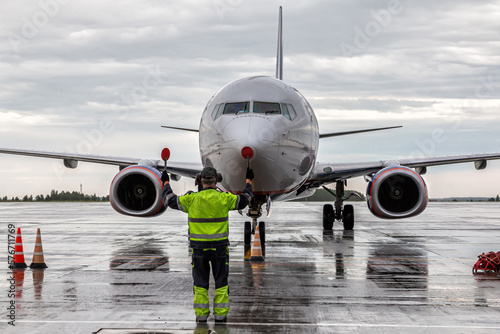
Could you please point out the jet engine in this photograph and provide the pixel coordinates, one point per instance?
(137, 191)
(396, 192)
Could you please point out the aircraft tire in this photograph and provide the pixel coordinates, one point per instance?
(262, 232)
(248, 233)
(348, 217)
(328, 216)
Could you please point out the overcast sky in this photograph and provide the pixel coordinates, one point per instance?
(101, 77)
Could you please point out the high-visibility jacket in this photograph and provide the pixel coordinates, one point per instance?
(208, 215)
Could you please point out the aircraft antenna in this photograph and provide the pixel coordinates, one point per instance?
(279, 56)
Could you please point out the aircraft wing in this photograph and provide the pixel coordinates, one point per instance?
(327, 173)
(71, 161)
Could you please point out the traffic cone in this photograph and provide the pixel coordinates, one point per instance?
(38, 261)
(256, 248)
(19, 262)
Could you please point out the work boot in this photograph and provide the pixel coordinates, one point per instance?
(220, 318)
(201, 318)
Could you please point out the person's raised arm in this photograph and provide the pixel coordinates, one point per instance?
(169, 198)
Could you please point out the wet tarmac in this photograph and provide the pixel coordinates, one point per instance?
(114, 274)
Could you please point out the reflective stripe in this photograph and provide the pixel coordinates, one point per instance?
(208, 220)
(200, 303)
(221, 301)
(169, 196)
(224, 305)
(179, 205)
(201, 306)
(209, 236)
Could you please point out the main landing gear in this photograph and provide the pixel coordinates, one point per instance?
(254, 212)
(342, 212)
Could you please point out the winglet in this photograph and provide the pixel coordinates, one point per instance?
(279, 56)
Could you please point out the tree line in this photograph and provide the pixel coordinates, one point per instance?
(56, 196)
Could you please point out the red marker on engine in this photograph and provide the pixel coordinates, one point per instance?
(165, 155)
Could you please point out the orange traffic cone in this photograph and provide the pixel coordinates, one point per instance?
(38, 261)
(256, 248)
(19, 262)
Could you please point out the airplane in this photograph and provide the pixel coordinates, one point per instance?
(267, 124)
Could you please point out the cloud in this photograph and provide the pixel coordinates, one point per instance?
(67, 66)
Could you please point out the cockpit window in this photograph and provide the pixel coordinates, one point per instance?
(266, 108)
(220, 109)
(289, 111)
(284, 108)
(236, 108)
(214, 112)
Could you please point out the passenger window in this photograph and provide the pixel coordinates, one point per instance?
(291, 111)
(266, 108)
(284, 108)
(219, 111)
(236, 108)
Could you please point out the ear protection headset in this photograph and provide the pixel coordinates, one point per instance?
(198, 178)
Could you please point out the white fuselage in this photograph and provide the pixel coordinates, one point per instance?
(274, 120)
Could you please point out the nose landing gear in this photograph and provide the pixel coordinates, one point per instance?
(255, 212)
(249, 230)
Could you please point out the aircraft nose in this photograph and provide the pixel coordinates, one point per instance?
(252, 135)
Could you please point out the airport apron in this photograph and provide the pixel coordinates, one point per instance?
(208, 234)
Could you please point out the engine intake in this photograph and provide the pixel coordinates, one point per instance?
(137, 191)
(396, 192)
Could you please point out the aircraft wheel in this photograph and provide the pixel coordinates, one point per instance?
(262, 233)
(248, 233)
(348, 217)
(328, 216)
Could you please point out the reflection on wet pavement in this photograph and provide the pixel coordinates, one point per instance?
(108, 271)
(143, 252)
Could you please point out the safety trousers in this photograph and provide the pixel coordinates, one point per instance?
(202, 261)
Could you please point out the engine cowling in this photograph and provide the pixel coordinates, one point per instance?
(137, 191)
(396, 192)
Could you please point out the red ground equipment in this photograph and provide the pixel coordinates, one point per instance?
(489, 262)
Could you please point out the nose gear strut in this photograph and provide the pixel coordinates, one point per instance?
(255, 212)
